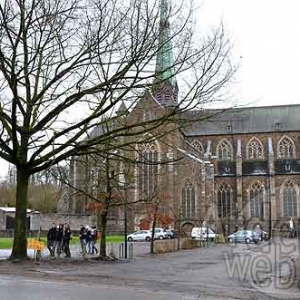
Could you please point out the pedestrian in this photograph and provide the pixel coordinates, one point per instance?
(51, 239)
(291, 228)
(259, 232)
(89, 239)
(59, 239)
(82, 238)
(94, 239)
(66, 240)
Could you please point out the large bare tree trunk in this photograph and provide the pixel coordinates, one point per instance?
(103, 218)
(19, 250)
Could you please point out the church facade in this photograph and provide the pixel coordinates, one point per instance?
(237, 168)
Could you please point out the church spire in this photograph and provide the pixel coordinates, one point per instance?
(166, 90)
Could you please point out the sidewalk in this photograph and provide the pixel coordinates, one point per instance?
(139, 249)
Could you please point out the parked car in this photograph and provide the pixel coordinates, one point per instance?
(140, 235)
(202, 233)
(244, 236)
(171, 234)
(160, 234)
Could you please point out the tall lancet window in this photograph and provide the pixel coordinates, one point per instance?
(188, 200)
(224, 201)
(255, 149)
(286, 148)
(289, 193)
(224, 150)
(199, 147)
(147, 170)
(257, 196)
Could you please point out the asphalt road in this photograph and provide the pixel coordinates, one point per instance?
(205, 273)
(32, 289)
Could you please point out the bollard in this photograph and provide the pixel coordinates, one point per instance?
(129, 251)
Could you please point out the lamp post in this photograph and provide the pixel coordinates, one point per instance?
(125, 221)
(270, 207)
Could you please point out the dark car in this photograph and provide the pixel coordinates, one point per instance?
(244, 236)
(171, 234)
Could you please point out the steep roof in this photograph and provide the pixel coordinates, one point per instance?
(165, 61)
(244, 120)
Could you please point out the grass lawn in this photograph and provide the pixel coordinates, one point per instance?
(6, 243)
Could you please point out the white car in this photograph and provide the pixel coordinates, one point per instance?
(160, 234)
(200, 233)
(140, 235)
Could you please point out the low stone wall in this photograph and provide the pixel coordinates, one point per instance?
(164, 246)
(190, 244)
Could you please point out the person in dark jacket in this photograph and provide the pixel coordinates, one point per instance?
(82, 238)
(89, 239)
(94, 239)
(66, 240)
(51, 239)
(59, 239)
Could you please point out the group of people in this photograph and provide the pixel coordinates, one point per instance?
(88, 239)
(58, 239)
(59, 236)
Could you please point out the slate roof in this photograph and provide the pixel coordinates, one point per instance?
(244, 120)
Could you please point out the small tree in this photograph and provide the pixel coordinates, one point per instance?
(155, 206)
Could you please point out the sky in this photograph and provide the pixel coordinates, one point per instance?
(265, 37)
(266, 42)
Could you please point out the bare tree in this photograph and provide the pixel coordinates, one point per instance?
(66, 65)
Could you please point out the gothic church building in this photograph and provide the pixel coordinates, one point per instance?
(241, 167)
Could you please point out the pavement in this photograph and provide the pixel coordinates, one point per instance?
(139, 249)
(205, 273)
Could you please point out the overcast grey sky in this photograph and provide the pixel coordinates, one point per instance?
(265, 34)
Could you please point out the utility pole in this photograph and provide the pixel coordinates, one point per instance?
(125, 220)
(270, 207)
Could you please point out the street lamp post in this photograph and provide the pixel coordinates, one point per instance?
(270, 208)
(125, 223)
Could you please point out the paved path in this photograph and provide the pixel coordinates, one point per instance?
(139, 249)
(205, 273)
(28, 289)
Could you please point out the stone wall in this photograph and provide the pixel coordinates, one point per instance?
(34, 220)
(2, 220)
(165, 246)
(75, 220)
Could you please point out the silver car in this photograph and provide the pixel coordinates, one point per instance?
(244, 236)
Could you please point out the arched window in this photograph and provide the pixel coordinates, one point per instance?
(224, 201)
(188, 200)
(147, 169)
(224, 150)
(286, 148)
(255, 149)
(289, 194)
(257, 195)
(198, 146)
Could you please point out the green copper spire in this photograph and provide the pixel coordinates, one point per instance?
(165, 60)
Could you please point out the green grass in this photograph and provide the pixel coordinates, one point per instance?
(115, 239)
(6, 243)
